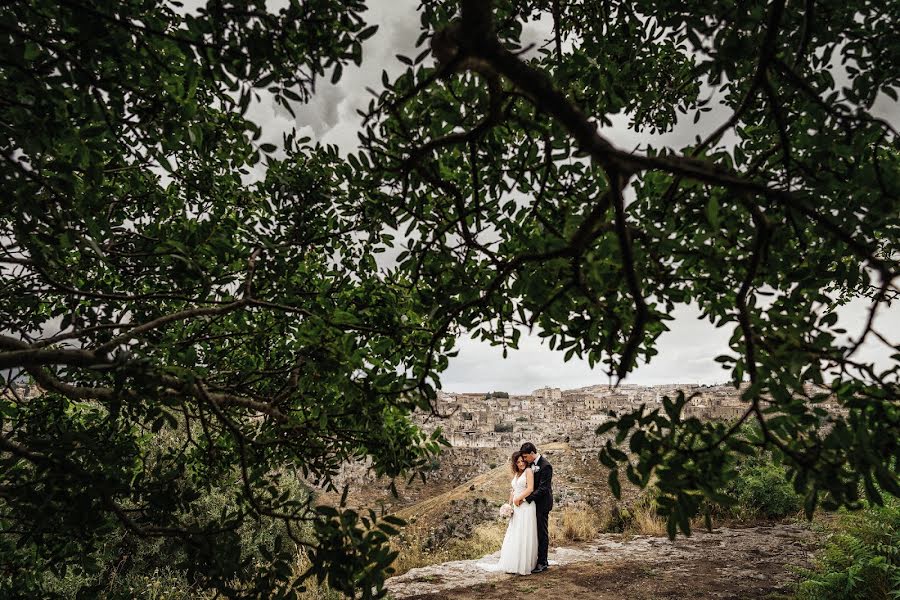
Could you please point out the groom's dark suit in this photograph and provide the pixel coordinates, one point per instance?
(542, 496)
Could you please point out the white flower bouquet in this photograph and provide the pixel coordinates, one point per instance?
(506, 511)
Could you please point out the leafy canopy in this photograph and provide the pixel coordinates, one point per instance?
(198, 329)
(522, 214)
(205, 313)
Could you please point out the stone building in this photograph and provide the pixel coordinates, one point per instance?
(547, 393)
(547, 414)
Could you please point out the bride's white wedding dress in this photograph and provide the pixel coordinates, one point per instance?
(519, 551)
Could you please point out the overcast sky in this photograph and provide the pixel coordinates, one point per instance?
(686, 353)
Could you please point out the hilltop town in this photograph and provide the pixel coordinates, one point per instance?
(498, 419)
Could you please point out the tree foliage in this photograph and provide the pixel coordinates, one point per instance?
(523, 214)
(165, 273)
(154, 281)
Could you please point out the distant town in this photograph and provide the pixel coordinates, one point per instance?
(497, 419)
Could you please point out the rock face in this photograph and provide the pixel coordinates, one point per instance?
(727, 563)
(460, 521)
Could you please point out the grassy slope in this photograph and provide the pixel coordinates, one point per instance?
(572, 478)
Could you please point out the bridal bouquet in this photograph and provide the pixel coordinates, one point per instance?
(506, 510)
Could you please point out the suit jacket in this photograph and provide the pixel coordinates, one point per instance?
(542, 495)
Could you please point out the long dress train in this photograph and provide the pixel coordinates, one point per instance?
(519, 551)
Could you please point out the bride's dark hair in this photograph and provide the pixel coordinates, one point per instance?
(512, 462)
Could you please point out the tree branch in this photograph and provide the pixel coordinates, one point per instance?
(171, 318)
(629, 351)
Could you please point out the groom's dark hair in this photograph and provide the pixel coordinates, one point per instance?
(528, 448)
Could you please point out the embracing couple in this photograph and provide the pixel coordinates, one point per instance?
(524, 547)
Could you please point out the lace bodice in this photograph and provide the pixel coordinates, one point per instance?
(519, 483)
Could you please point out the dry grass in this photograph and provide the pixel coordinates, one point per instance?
(577, 523)
(647, 522)
(642, 518)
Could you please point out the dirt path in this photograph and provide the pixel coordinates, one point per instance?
(726, 564)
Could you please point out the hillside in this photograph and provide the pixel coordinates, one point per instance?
(600, 547)
(462, 523)
(578, 478)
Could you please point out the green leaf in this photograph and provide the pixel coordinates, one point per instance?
(367, 32)
(32, 51)
(614, 485)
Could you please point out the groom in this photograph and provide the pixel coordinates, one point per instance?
(542, 496)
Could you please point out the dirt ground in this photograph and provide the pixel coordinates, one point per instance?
(737, 564)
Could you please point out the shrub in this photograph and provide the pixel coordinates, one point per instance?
(762, 489)
(503, 427)
(127, 565)
(620, 518)
(759, 488)
(861, 560)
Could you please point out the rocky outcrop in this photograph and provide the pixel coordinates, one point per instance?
(726, 563)
(459, 522)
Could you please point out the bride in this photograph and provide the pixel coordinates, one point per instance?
(519, 551)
